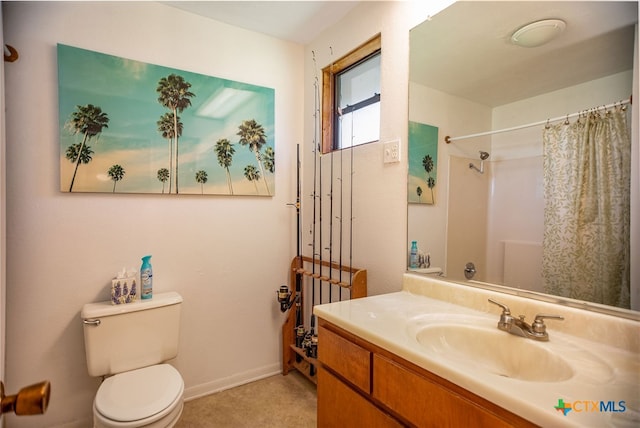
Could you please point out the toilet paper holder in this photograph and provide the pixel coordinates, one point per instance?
(30, 400)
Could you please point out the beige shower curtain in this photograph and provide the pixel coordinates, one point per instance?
(587, 173)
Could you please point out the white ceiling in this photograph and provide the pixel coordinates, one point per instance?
(465, 49)
(296, 21)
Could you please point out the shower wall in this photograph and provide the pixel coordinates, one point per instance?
(495, 219)
(515, 226)
(516, 204)
(467, 227)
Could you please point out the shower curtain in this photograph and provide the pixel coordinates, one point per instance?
(587, 173)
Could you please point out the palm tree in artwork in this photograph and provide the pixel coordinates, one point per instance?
(79, 153)
(163, 176)
(224, 151)
(431, 183)
(251, 173)
(270, 160)
(427, 163)
(116, 173)
(419, 192)
(202, 177)
(174, 94)
(166, 126)
(252, 134)
(89, 121)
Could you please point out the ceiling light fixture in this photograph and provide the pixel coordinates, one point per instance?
(538, 33)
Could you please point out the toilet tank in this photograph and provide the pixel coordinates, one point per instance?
(125, 337)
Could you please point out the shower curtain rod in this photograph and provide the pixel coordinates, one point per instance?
(449, 139)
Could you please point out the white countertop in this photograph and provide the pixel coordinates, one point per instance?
(390, 321)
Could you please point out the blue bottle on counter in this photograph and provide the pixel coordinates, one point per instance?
(146, 278)
(413, 257)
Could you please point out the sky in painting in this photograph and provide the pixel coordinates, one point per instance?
(126, 91)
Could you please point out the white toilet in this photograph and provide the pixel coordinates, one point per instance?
(128, 343)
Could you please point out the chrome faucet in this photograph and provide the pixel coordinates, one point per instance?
(536, 331)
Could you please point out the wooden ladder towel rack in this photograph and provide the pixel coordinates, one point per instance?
(356, 282)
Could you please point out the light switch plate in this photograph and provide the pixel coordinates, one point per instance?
(391, 151)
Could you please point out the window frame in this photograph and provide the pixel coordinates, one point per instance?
(329, 73)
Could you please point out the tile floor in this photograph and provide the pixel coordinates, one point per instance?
(277, 401)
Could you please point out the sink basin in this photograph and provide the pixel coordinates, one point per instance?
(494, 351)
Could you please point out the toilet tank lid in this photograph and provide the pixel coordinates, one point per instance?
(106, 309)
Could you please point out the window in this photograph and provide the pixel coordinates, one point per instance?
(351, 98)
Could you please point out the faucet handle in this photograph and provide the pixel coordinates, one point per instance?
(505, 318)
(539, 326)
(505, 308)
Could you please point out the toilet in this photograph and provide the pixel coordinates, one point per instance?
(129, 345)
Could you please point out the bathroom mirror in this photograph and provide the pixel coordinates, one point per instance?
(468, 77)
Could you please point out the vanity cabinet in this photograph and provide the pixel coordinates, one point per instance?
(342, 406)
(361, 384)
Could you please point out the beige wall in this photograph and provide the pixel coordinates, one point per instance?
(225, 255)
(379, 190)
(431, 225)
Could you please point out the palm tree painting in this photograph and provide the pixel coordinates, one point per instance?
(165, 127)
(78, 154)
(174, 94)
(87, 121)
(427, 164)
(163, 176)
(252, 135)
(423, 162)
(252, 174)
(201, 177)
(270, 160)
(224, 152)
(116, 173)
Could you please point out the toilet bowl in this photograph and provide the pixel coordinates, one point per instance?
(129, 346)
(151, 397)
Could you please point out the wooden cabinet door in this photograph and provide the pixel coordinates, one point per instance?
(345, 358)
(340, 406)
(424, 403)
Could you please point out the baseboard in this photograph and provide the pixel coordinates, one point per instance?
(208, 388)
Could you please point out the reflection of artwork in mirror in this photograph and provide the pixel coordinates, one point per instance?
(132, 127)
(423, 161)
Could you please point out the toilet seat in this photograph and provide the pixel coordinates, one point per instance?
(140, 396)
